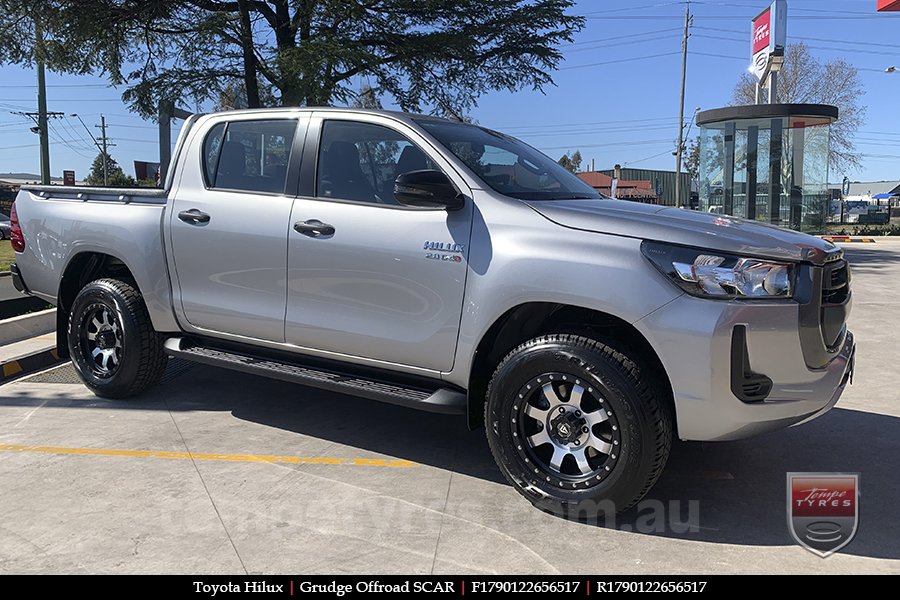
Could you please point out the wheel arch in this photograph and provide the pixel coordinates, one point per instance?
(533, 319)
(81, 269)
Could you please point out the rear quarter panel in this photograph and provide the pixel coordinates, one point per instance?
(58, 229)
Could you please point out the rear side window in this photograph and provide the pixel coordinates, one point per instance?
(249, 155)
(211, 147)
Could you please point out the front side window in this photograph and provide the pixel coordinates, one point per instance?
(507, 165)
(360, 162)
(251, 155)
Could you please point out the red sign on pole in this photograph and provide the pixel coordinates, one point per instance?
(762, 30)
(68, 177)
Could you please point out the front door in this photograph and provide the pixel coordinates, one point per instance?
(229, 231)
(368, 277)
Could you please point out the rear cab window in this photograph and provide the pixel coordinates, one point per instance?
(249, 156)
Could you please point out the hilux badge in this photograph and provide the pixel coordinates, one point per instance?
(444, 251)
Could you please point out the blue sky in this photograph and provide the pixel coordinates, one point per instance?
(615, 98)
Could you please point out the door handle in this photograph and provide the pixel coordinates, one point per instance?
(193, 216)
(314, 228)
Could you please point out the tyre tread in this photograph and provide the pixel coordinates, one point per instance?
(646, 384)
(153, 359)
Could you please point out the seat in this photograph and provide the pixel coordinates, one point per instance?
(411, 159)
(232, 166)
(341, 175)
(273, 181)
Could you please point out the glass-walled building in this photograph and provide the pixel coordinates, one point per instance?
(767, 162)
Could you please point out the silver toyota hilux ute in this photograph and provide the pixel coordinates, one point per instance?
(451, 268)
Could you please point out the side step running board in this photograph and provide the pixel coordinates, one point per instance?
(437, 399)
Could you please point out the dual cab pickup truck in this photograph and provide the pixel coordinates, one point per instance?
(450, 268)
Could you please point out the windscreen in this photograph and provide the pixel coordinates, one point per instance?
(507, 165)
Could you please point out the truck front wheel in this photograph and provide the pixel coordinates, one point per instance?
(112, 342)
(578, 427)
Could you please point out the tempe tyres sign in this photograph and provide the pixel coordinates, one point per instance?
(768, 32)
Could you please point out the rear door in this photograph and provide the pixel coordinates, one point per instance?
(379, 280)
(229, 227)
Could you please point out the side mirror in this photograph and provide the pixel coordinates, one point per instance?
(427, 189)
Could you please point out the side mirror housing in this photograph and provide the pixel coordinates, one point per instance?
(427, 189)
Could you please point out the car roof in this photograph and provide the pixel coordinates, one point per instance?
(334, 109)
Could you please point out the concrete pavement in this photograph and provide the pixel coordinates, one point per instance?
(221, 472)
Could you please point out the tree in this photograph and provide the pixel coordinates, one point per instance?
(116, 177)
(692, 159)
(367, 98)
(423, 53)
(571, 162)
(804, 79)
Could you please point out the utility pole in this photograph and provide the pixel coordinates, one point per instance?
(41, 120)
(680, 149)
(105, 143)
(42, 104)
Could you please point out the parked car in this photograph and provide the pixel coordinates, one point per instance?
(446, 267)
(4, 226)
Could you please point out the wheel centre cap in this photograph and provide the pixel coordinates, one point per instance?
(106, 339)
(567, 427)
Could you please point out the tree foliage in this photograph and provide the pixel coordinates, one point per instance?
(116, 177)
(804, 79)
(572, 162)
(692, 159)
(429, 54)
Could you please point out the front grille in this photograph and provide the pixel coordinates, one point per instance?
(824, 296)
(835, 283)
(835, 294)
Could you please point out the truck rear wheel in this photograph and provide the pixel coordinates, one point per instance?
(577, 426)
(112, 342)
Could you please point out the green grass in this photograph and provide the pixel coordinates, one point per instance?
(7, 255)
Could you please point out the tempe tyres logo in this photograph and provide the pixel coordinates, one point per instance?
(823, 510)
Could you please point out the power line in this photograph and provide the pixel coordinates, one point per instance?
(801, 38)
(133, 126)
(556, 125)
(621, 60)
(593, 131)
(610, 144)
(64, 85)
(57, 136)
(623, 37)
(602, 46)
(65, 99)
(645, 6)
(634, 162)
(856, 50)
(21, 146)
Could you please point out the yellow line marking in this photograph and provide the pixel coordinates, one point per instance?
(254, 458)
(11, 368)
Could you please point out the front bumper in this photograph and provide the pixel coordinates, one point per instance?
(692, 337)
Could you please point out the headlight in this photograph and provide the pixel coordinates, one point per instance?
(719, 275)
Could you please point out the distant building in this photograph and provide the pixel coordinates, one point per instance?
(662, 183)
(639, 191)
(871, 189)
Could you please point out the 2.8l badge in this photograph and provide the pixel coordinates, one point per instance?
(444, 251)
